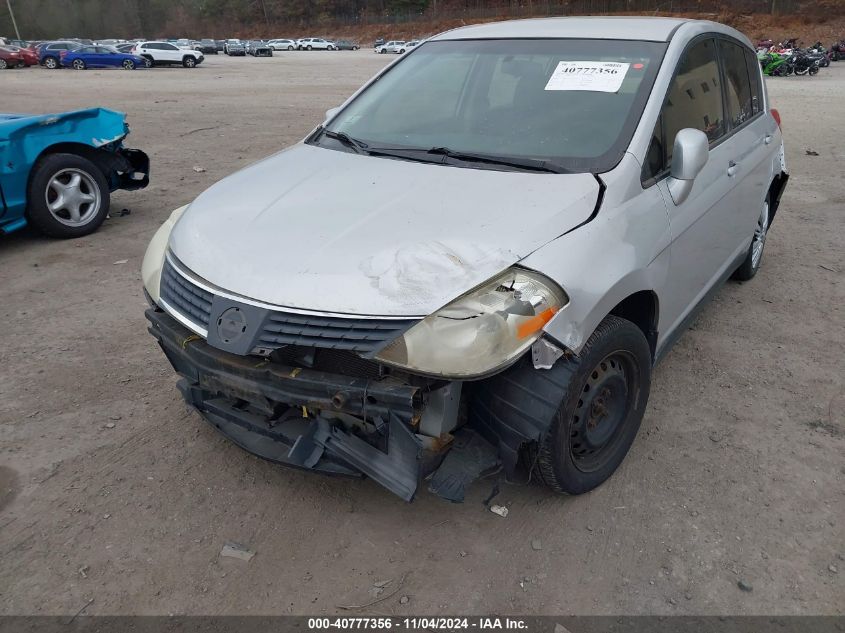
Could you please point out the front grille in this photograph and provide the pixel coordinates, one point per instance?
(280, 329)
(359, 335)
(184, 296)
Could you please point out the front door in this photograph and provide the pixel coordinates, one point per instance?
(703, 227)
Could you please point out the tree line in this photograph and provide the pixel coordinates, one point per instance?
(49, 19)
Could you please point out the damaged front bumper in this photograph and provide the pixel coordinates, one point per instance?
(327, 422)
(132, 171)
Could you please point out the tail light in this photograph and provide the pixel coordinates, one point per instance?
(62, 54)
(776, 116)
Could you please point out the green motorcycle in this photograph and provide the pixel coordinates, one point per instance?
(774, 64)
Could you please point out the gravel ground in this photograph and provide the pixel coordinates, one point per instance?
(113, 492)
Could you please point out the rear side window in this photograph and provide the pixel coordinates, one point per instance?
(737, 84)
(753, 65)
(695, 96)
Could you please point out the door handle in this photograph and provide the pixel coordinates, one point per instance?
(732, 169)
(768, 139)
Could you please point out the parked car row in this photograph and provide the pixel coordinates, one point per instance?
(73, 54)
(396, 46)
(85, 53)
(244, 47)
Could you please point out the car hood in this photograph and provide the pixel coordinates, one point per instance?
(320, 229)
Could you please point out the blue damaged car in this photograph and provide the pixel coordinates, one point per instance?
(57, 171)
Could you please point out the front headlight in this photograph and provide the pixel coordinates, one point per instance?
(482, 331)
(154, 256)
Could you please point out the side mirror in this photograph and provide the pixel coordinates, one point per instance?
(689, 156)
(331, 112)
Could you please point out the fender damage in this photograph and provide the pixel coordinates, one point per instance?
(96, 133)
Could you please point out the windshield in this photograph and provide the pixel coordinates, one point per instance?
(574, 103)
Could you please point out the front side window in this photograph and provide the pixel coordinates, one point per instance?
(572, 103)
(737, 86)
(694, 99)
(168, 47)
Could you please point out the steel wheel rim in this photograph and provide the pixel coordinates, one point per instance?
(73, 197)
(759, 240)
(599, 418)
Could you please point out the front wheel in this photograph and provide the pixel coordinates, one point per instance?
(148, 61)
(602, 407)
(51, 62)
(814, 70)
(3, 64)
(290, 48)
(754, 257)
(189, 62)
(68, 196)
(308, 48)
(128, 64)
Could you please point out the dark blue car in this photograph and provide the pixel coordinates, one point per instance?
(101, 57)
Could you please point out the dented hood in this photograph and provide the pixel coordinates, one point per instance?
(327, 230)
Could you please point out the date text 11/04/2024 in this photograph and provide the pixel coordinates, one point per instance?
(418, 623)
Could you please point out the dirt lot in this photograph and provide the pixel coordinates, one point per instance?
(113, 492)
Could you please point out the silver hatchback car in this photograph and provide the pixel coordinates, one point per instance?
(474, 263)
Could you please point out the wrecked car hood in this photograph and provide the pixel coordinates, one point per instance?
(327, 230)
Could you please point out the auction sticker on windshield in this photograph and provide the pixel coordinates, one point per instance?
(590, 76)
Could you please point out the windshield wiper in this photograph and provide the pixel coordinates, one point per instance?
(357, 145)
(436, 155)
(532, 164)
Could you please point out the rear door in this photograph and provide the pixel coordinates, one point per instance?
(751, 136)
(87, 55)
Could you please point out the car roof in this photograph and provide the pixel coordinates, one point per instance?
(605, 28)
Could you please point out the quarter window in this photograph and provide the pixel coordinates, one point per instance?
(694, 99)
(737, 86)
(753, 65)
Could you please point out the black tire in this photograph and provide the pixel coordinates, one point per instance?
(188, 61)
(290, 48)
(749, 267)
(78, 64)
(601, 411)
(128, 64)
(50, 62)
(814, 70)
(401, 51)
(148, 61)
(308, 48)
(38, 212)
(382, 51)
(3, 64)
